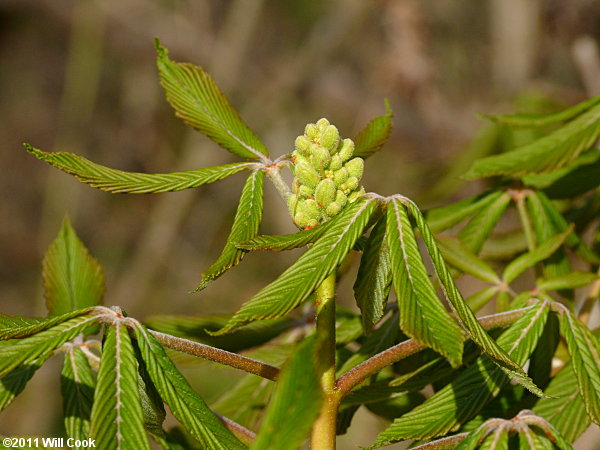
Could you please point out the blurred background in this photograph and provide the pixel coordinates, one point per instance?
(80, 76)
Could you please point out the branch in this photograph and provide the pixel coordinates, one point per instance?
(242, 433)
(444, 443)
(217, 355)
(374, 364)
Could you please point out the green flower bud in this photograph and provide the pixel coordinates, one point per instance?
(310, 208)
(301, 219)
(291, 201)
(305, 191)
(333, 209)
(297, 158)
(347, 150)
(330, 138)
(322, 124)
(320, 159)
(355, 167)
(336, 163)
(340, 176)
(311, 131)
(356, 195)
(351, 183)
(307, 175)
(325, 192)
(302, 143)
(296, 186)
(341, 198)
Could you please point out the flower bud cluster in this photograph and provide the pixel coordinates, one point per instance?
(326, 177)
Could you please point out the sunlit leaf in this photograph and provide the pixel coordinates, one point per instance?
(198, 100)
(571, 280)
(77, 383)
(375, 134)
(18, 326)
(444, 217)
(475, 233)
(14, 382)
(277, 243)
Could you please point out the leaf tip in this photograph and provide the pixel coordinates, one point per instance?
(160, 50)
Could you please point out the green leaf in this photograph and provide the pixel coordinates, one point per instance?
(458, 255)
(459, 401)
(198, 100)
(121, 182)
(571, 280)
(277, 243)
(584, 351)
(475, 233)
(77, 383)
(444, 217)
(14, 382)
(478, 300)
(542, 120)
(517, 266)
(546, 154)
(297, 398)
(375, 134)
(297, 282)
(472, 325)
(185, 404)
(19, 327)
(42, 344)
(422, 315)
(564, 407)
(374, 278)
(245, 225)
(73, 279)
(117, 421)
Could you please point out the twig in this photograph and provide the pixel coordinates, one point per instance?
(217, 355)
(242, 433)
(444, 443)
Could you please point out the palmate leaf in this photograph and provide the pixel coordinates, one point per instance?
(245, 225)
(585, 356)
(475, 233)
(375, 134)
(422, 315)
(467, 394)
(278, 243)
(116, 420)
(73, 279)
(18, 327)
(518, 265)
(121, 182)
(466, 316)
(42, 344)
(571, 280)
(77, 383)
(297, 282)
(542, 120)
(185, 404)
(564, 407)
(459, 256)
(198, 100)
(297, 398)
(478, 300)
(444, 217)
(14, 382)
(374, 278)
(546, 154)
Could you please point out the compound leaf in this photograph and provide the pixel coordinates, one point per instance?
(475, 233)
(297, 397)
(73, 279)
(459, 256)
(198, 100)
(117, 421)
(375, 134)
(185, 404)
(122, 182)
(422, 315)
(77, 383)
(297, 282)
(571, 280)
(444, 217)
(14, 382)
(277, 243)
(18, 327)
(245, 225)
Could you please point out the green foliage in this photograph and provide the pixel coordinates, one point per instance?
(419, 358)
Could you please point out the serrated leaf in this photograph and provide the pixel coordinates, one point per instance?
(546, 154)
(297, 397)
(584, 351)
(374, 278)
(475, 233)
(277, 243)
(542, 120)
(459, 256)
(198, 100)
(466, 316)
(480, 434)
(245, 225)
(42, 344)
(478, 300)
(77, 383)
(73, 278)
(297, 282)
(18, 327)
(120, 182)
(116, 420)
(185, 404)
(517, 266)
(571, 280)
(564, 407)
(468, 393)
(375, 134)
(444, 217)
(14, 382)
(422, 315)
